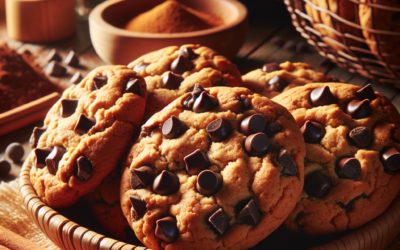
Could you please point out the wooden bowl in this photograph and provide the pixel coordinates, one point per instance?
(116, 45)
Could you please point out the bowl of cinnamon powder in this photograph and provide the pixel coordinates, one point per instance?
(122, 30)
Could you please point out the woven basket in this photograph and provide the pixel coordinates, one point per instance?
(66, 234)
(334, 28)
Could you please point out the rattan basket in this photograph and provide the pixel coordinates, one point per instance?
(66, 234)
(338, 30)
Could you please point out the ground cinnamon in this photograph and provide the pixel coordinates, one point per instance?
(172, 17)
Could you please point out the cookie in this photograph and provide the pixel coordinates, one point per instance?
(274, 78)
(219, 168)
(351, 168)
(86, 133)
(173, 71)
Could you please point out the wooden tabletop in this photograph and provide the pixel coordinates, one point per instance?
(268, 19)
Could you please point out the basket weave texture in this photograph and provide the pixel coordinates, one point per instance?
(362, 36)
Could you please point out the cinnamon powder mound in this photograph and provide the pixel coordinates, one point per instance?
(172, 17)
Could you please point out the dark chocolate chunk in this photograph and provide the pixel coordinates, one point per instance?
(317, 184)
(391, 160)
(37, 132)
(142, 177)
(256, 144)
(140, 66)
(220, 221)
(244, 103)
(138, 207)
(181, 65)
(277, 41)
(359, 109)
(40, 157)
(321, 96)
(166, 183)
(366, 93)
(53, 56)
(271, 129)
(171, 81)
(68, 107)
(250, 214)
(84, 124)
(219, 130)
(197, 90)
(205, 102)
(289, 167)
(85, 168)
(289, 46)
(173, 128)
(133, 86)
(302, 47)
(360, 137)
(99, 81)
(252, 124)
(277, 83)
(72, 59)
(5, 167)
(189, 101)
(348, 168)
(208, 182)
(54, 158)
(76, 78)
(15, 152)
(312, 131)
(271, 67)
(166, 229)
(196, 162)
(55, 69)
(188, 53)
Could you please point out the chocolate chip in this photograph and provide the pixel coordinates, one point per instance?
(312, 131)
(15, 152)
(138, 207)
(72, 59)
(317, 185)
(54, 158)
(141, 177)
(181, 65)
(85, 168)
(84, 124)
(173, 128)
(133, 86)
(189, 101)
(53, 56)
(359, 109)
(252, 124)
(360, 137)
(166, 183)
(244, 103)
(99, 82)
(271, 129)
(256, 144)
(166, 229)
(76, 78)
(140, 66)
(289, 167)
(208, 182)
(37, 132)
(40, 157)
(205, 102)
(68, 107)
(289, 46)
(171, 81)
(348, 168)
(391, 159)
(220, 221)
(197, 90)
(188, 53)
(277, 41)
(5, 167)
(366, 93)
(250, 214)
(271, 67)
(277, 83)
(196, 162)
(321, 96)
(55, 69)
(219, 130)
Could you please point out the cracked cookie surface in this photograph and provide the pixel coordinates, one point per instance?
(193, 180)
(172, 71)
(352, 162)
(85, 133)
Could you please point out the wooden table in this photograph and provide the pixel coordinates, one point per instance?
(268, 19)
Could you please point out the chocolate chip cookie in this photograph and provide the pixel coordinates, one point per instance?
(86, 133)
(275, 78)
(352, 164)
(218, 168)
(173, 71)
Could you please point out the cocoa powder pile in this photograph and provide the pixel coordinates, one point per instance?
(172, 17)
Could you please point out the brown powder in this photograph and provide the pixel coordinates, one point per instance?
(172, 17)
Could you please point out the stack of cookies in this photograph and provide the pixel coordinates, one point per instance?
(178, 151)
